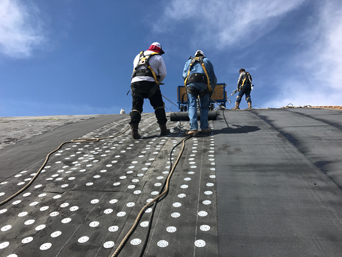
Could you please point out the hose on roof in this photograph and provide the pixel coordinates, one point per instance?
(78, 140)
(162, 194)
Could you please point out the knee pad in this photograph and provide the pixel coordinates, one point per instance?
(135, 116)
(160, 114)
(159, 110)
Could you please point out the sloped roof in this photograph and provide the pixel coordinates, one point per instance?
(264, 183)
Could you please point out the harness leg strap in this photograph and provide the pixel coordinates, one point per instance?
(195, 92)
(160, 115)
(135, 116)
(238, 99)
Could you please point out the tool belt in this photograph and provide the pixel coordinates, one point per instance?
(195, 92)
(197, 77)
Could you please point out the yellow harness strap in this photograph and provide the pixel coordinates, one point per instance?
(243, 81)
(185, 80)
(205, 71)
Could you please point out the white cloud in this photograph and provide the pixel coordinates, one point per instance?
(20, 29)
(320, 66)
(316, 71)
(228, 22)
(295, 93)
(329, 48)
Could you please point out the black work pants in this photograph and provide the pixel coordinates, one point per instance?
(150, 90)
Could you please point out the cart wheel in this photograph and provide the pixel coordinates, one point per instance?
(185, 108)
(181, 108)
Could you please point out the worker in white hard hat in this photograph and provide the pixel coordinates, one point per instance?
(200, 80)
(148, 72)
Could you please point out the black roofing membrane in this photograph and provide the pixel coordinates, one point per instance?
(264, 183)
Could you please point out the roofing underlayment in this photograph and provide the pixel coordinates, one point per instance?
(266, 182)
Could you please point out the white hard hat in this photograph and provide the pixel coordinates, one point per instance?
(198, 53)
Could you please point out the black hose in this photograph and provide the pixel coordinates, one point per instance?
(155, 205)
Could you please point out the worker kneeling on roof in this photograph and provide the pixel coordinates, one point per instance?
(149, 71)
(200, 80)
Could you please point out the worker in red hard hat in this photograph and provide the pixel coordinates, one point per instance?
(149, 71)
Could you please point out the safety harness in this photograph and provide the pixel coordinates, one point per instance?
(144, 62)
(249, 79)
(197, 77)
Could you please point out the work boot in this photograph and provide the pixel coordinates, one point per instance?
(163, 130)
(236, 106)
(192, 132)
(249, 106)
(134, 131)
(206, 131)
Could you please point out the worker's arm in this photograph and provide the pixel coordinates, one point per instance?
(135, 61)
(185, 69)
(158, 66)
(250, 78)
(211, 74)
(239, 82)
(162, 70)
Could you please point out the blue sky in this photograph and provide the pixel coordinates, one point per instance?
(71, 57)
